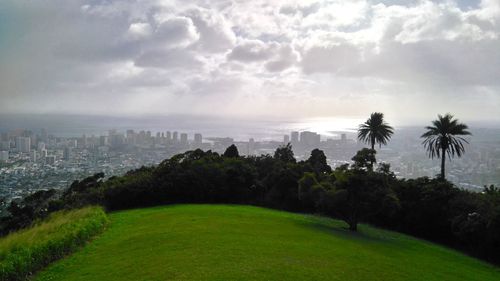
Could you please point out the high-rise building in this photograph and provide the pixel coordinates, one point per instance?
(198, 139)
(33, 156)
(310, 139)
(184, 138)
(251, 146)
(343, 137)
(169, 136)
(295, 137)
(43, 153)
(4, 155)
(174, 137)
(5, 145)
(81, 142)
(286, 139)
(130, 134)
(116, 140)
(66, 153)
(23, 144)
(103, 140)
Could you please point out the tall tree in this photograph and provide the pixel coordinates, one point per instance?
(375, 130)
(443, 138)
(231, 152)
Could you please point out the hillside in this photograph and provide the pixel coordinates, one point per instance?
(30, 249)
(220, 242)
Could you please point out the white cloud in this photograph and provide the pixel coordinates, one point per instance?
(270, 57)
(215, 32)
(175, 32)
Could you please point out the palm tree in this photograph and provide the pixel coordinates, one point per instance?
(444, 138)
(375, 130)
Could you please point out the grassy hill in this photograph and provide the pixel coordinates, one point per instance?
(27, 250)
(219, 242)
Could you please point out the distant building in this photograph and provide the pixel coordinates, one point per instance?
(23, 144)
(5, 145)
(343, 137)
(116, 140)
(198, 139)
(310, 139)
(251, 146)
(66, 153)
(295, 137)
(33, 156)
(184, 139)
(169, 136)
(175, 138)
(43, 153)
(4, 155)
(103, 140)
(286, 139)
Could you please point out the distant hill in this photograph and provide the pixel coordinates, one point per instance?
(221, 242)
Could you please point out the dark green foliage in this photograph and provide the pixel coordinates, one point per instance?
(364, 159)
(231, 152)
(358, 195)
(23, 212)
(425, 207)
(317, 160)
(285, 153)
(443, 138)
(84, 192)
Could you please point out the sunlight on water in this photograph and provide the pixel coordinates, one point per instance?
(330, 127)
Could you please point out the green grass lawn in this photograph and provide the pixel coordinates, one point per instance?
(219, 242)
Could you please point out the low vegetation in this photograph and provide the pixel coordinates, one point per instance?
(221, 242)
(30, 249)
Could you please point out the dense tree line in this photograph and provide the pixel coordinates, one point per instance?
(433, 209)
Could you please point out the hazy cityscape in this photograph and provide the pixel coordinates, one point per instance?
(32, 160)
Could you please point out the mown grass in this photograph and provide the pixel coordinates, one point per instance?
(220, 242)
(28, 250)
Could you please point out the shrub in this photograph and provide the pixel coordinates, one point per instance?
(28, 250)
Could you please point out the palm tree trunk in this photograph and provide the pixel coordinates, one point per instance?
(443, 159)
(373, 148)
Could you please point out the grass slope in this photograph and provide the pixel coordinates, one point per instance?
(28, 250)
(219, 242)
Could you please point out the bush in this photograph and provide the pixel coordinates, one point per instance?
(28, 250)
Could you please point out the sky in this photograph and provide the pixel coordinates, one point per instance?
(259, 59)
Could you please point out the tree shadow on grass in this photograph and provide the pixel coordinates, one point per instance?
(338, 230)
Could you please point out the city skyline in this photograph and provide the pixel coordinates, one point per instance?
(34, 160)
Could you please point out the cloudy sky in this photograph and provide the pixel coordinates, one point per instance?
(262, 59)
